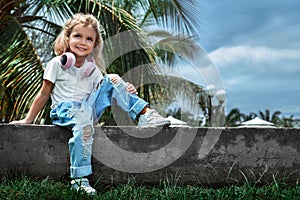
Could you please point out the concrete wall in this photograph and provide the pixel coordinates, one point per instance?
(213, 156)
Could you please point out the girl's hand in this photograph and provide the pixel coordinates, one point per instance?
(38, 103)
(131, 89)
(114, 78)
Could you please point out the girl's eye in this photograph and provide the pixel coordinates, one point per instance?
(77, 36)
(90, 39)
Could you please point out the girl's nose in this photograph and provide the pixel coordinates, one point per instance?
(83, 41)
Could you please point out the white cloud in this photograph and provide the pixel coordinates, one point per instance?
(250, 66)
(257, 60)
(257, 77)
(226, 56)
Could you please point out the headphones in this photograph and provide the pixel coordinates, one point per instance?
(68, 59)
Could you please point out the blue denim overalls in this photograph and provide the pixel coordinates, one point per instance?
(80, 117)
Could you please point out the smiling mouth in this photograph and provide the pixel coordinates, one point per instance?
(81, 49)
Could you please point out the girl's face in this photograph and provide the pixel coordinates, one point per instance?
(82, 40)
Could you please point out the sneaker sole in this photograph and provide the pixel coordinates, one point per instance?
(163, 124)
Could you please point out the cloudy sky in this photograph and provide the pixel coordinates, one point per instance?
(256, 47)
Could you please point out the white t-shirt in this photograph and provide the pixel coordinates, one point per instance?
(70, 84)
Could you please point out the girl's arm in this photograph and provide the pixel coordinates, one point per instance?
(38, 103)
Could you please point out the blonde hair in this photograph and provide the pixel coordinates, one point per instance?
(61, 43)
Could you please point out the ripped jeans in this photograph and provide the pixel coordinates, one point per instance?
(80, 117)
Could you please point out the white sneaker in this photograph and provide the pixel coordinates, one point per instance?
(152, 119)
(83, 184)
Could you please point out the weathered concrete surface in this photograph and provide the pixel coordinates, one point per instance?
(214, 156)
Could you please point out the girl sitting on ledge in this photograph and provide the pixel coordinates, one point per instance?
(80, 93)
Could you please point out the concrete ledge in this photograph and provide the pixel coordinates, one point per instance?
(214, 156)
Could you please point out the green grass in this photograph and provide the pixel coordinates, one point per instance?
(22, 187)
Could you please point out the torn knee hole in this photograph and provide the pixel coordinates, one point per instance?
(87, 132)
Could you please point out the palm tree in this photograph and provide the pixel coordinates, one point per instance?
(233, 118)
(20, 65)
(274, 118)
(28, 28)
(245, 117)
(288, 121)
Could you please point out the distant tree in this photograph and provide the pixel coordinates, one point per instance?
(233, 118)
(288, 121)
(246, 117)
(274, 118)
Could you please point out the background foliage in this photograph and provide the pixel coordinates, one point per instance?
(29, 27)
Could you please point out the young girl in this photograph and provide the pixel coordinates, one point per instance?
(80, 93)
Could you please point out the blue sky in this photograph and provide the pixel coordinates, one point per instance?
(256, 47)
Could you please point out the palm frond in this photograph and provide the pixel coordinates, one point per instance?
(180, 16)
(169, 45)
(21, 69)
